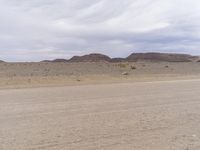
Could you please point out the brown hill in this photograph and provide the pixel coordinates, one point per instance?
(90, 58)
(1, 61)
(153, 57)
(156, 57)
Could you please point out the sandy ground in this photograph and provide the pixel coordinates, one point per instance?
(20, 75)
(162, 115)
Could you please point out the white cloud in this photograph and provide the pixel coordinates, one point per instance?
(46, 29)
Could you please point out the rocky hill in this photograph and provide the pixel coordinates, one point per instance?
(156, 57)
(90, 58)
(134, 57)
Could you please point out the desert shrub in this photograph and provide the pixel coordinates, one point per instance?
(78, 80)
(133, 67)
(166, 66)
(123, 65)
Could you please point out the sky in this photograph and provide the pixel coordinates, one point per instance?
(34, 30)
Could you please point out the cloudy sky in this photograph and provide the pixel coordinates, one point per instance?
(32, 30)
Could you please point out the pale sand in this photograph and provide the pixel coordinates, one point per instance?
(162, 115)
(92, 106)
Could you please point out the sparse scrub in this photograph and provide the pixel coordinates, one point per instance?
(166, 66)
(123, 65)
(133, 67)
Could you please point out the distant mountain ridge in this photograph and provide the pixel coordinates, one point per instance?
(56, 60)
(134, 57)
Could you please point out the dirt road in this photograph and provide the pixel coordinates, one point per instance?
(131, 116)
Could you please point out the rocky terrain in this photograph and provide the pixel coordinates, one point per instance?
(98, 68)
(62, 73)
(145, 101)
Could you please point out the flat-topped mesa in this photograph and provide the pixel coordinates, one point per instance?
(157, 57)
(95, 57)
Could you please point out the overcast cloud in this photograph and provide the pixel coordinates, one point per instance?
(32, 30)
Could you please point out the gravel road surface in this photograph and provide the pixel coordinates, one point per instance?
(162, 115)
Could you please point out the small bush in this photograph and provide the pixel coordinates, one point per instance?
(123, 65)
(133, 67)
(166, 66)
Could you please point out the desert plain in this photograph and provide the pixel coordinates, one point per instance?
(18, 75)
(100, 106)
